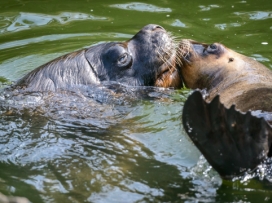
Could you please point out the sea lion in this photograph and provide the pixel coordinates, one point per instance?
(147, 59)
(229, 120)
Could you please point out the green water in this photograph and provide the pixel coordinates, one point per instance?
(145, 156)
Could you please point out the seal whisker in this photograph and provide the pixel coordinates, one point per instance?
(178, 61)
(171, 67)
(184, 49)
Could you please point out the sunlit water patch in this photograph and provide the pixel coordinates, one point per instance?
(56, 37)
(209, 7)
(178, 23)
(256, 15)
(227, 26)
(136, 6)
(24, 21)
(259, 58)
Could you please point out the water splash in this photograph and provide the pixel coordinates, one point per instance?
(205, 182)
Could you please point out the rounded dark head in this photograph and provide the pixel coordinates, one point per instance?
(202, 64)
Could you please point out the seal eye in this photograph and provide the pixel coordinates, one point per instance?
(123, 58)
(117, 56)
(212, 48)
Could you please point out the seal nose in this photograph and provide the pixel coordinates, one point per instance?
(153, 27)
(157, 27)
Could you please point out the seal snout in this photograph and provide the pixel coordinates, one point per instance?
(153, 28)
(157, 27)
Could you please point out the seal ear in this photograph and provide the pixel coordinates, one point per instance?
(232, 142)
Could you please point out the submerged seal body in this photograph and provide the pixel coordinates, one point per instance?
(229, 123)
(146, 59)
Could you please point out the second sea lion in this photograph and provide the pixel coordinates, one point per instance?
(229, 119)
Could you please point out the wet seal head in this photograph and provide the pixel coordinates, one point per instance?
(147, 59)
(220, 70)
(200, 62)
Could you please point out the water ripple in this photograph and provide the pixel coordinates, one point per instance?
(28, 20)
(57, 37)
(255, 15)
(225, 26)
(178, 23)
(135, 6)
(209, 7)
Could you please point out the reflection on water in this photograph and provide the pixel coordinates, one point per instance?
(256, 15)
(27, 20)
(141, 7)
(59, 37)
(226, 26)
(101, 145)
(209, 7)
(260, 58)
(178, 23)
(43, 39)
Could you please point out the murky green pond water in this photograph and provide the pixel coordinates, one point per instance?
(135, 151)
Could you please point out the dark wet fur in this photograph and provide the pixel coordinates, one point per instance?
(231, 141)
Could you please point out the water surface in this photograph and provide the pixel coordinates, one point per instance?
(94, 147)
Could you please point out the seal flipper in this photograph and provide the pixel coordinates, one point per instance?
(232, 142)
